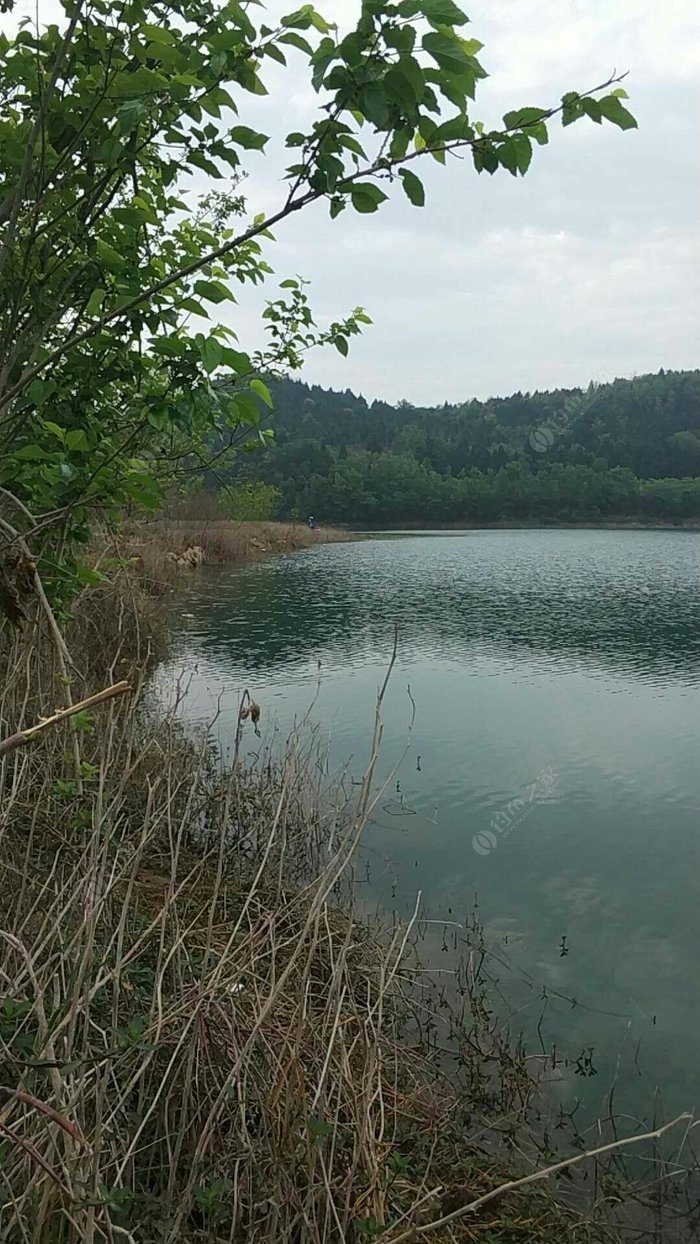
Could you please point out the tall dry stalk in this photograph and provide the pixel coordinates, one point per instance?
(197, 1040)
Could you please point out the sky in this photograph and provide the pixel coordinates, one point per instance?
(585, 269)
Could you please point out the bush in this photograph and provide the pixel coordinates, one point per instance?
(253, 502)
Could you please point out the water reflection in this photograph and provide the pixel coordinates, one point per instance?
(626, 602)
(572, 652)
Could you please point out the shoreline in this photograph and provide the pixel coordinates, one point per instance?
(163, 548)
(244, 961)
(631, 524)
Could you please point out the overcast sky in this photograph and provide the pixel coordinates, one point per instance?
(585, 269)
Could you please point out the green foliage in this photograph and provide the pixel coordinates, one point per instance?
(565, 455)
(65, 789)
(111, 273)
(253, 501)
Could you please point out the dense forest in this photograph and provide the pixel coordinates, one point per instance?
(630, 448)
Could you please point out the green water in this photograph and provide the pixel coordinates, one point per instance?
(557, 669)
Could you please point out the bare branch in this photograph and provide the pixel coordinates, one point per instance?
(28, 736)
(544, 1173)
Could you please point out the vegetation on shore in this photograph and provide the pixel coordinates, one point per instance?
(197, 1042)
(624, 450)
(200, 1038)
(115, 369)
(159, 548)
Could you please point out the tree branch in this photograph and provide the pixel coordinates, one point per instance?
(378, 166)
(23, 737)
(544, 1173)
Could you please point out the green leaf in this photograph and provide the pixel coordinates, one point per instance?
(296, 41)
(39, 391)
(129, 114)
(318, 1129)
(77, 441)
(157, 34)
(366, 197)
(110, 258)
(275, 53)
(413, 187)
(147, 208)
(411, 72)
(259, 387)
(443, 12)
(613, 110)
(341, 346)
(446, 49)
(95, 301)
(207, 166)
(399, 90)
(213, 291)
(508, 156)
(157, 419)
(592, 109)
(55, 429)
(236, 360)
(210, 352)
(455, 129)
(252, 140)
(30, 453)
(319, 23)
(523, 152)
(194, 308)
(248, 409)
(530, 119)
(571, 108)
(90, 577)
(172, 346)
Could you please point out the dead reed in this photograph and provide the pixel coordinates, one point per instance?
(153, 545)
(200, 1039)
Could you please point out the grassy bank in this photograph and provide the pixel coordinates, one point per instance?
(160, 548)
(200, 1038)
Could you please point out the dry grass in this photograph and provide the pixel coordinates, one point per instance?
(200, 1039)
(222, 540)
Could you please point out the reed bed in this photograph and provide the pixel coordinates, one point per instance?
(200, 1036)
(155, 545)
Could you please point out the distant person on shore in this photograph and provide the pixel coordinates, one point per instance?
(311, 522)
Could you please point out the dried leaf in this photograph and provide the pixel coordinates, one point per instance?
(25, 574)
(9, 601)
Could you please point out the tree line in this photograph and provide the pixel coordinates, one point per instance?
(630, 448)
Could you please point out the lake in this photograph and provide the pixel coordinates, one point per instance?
(551, 775)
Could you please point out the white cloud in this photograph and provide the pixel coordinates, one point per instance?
(585, 266)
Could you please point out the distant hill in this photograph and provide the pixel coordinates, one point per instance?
(610, 449)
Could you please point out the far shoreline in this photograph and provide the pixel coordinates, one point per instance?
(689, 524)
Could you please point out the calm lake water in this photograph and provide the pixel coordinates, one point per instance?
(551, 774)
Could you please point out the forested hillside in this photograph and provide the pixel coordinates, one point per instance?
(629, 448)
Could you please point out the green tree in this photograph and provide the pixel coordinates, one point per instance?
(253, 501)
(109, 279)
